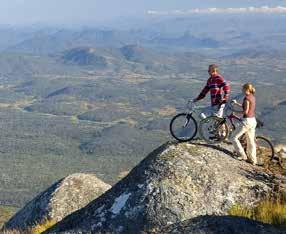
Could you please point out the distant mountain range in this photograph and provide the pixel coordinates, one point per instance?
(67, 39)
(187, 40)
(230, 32)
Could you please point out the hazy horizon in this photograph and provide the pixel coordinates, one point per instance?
(19, 12)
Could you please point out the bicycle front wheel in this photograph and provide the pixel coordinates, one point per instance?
(213, 129)
(183, 127)
(264, 150)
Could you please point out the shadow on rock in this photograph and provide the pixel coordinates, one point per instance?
(221, 225)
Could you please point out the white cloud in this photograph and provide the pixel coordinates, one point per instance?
(263, 9)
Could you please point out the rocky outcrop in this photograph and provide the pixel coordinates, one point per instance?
(85, 57)
(174, 183)
(61, 199)
(280, 150)
(221, 224)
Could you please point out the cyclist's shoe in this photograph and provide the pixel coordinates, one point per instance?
(251, 162)
(241, 158)
(260, 164)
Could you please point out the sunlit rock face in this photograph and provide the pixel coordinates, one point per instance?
(61, 199)
(175, 182)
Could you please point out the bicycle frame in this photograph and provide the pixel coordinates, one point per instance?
(230, 118)
(193, 108)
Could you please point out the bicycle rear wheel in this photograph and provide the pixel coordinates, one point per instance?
(213, 129)
(183, 127)
(264, 151)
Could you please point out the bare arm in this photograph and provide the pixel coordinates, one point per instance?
(235, 103)
(238, 104)
(246, 107)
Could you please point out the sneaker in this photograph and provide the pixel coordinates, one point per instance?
(241, 158)
(253, 163)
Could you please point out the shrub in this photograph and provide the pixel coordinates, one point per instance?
(271, 211)
(40, 228)
(36, 229)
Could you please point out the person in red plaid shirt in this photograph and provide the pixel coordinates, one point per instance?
(219, 91)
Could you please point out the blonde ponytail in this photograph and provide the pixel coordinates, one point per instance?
(249, 87)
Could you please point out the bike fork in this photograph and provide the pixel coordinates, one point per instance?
(188, 120)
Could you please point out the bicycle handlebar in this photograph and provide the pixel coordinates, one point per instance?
(190, 104)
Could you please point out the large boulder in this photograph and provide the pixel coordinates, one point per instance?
(174, 183)
(61, 199)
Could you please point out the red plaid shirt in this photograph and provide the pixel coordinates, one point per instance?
(219, 90)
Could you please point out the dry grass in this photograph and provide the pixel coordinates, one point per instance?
(40, 228)
(6, 212)
(268, 211)
(36, 229)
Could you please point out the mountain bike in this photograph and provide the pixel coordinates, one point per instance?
(215, 130)
(183, 126)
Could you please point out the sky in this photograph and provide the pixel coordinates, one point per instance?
(15, 12)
